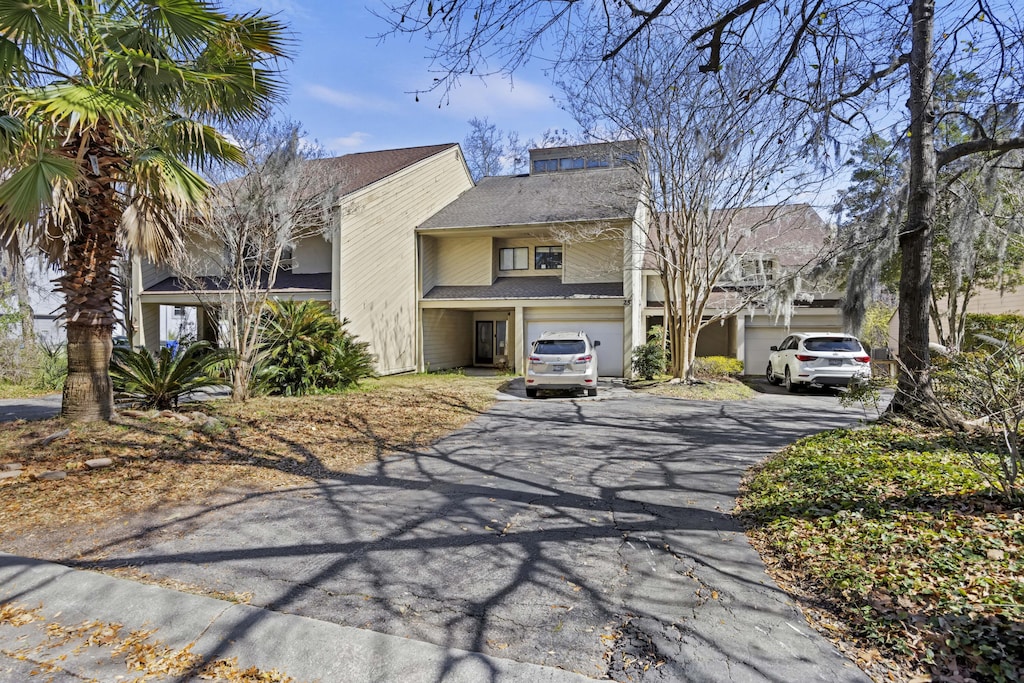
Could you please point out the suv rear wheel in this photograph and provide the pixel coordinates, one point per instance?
(531, 393)
(791, 386)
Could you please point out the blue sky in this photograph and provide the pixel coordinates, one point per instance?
(352, 93)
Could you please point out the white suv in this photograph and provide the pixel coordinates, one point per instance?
(562, 360)
(821, 359)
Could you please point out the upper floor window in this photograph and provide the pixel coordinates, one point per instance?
(567, 164)
(514, 258)
(755, 269)
(547, 258)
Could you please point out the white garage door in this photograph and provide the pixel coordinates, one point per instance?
(609, 353)
(759, 341)
(757, 346)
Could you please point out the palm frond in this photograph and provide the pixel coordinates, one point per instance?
(81, 105)
(29, 191)
(166, 193)
(235, 91)
(12, 60)
(259, 34)
(11, 130)
(199, 143)
(42, 29)
(186, 23)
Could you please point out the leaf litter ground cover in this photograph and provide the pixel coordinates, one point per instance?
(893, 542)
(165, 459)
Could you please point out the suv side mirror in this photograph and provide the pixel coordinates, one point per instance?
(775, 348)
(596, 344)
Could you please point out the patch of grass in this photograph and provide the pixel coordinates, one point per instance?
(163, 459)
(8, 390)
(898, 535)
(721, 389)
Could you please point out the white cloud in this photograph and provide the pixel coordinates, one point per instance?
(347, 100)
(493, 97)
(352, 142)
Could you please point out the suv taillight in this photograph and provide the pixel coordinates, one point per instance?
(863, 359)
(534, 359)
(585, 359)
(804, 357)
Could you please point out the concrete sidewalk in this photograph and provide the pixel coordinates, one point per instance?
(65, 630)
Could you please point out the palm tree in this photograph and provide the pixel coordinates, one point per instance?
(106, 110)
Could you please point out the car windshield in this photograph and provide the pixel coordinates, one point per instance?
(560, 347)
(832, 344)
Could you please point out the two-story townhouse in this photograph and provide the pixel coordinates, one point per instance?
(780, 241)
(559, 248)
(364, 267)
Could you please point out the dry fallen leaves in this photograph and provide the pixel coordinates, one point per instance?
(267, 442)
(143, 655)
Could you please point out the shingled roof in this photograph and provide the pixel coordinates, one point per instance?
(793, 233)
(589, 195)
(286, 281)
(356, 171)
(545, 287)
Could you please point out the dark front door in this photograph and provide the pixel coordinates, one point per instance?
(485, 342)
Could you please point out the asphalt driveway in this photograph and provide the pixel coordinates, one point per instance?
(593, 536)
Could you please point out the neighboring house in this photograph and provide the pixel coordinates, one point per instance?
(46, 304)
(784, 239)
(554, 249)
(366, 269)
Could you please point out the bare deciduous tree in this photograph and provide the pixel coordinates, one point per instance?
(233, 259)
(719, 185)
(845, 61)
(484, 148)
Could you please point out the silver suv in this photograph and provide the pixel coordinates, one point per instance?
(562, 360)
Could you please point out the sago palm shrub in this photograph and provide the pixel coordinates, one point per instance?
(306, 350)
(160, 381)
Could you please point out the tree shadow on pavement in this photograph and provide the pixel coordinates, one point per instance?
(593, 536)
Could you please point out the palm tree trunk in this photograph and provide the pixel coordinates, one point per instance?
(88, 285)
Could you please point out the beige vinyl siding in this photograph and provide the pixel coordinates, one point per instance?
(716, 339)
(377, 289)
(655, 289)
(447, 338)
(312, 255)
(531, 243)
(992, 301)
(153, 273)
(150, 327)
(428, 262)
(596, 261)
(463, 261)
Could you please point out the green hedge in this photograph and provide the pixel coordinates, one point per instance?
(717, 366)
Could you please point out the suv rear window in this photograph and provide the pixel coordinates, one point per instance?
(832, 344)
(560, 347)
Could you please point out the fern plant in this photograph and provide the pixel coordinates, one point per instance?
(159, 382)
